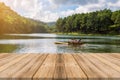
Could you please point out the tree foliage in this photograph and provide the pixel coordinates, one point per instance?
(100, 22)
(11, 22)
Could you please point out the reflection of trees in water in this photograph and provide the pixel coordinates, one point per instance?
(106, 49)
(111, 48)
(76, 48)
(7, 48)
(17, 37)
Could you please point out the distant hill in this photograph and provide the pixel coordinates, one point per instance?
(51, 23)
(51, 27)
(11, 22)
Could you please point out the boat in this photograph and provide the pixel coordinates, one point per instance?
(70, 43)
(61, 42)
(76, 43)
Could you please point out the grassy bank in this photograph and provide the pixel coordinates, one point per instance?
(81, 34)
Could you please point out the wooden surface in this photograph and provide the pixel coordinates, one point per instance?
(60, 66)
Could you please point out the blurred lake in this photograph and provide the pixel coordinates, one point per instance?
(45, 43)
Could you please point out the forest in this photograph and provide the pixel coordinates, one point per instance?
(11, 22)
(98, 22)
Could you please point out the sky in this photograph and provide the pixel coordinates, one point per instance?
(51, 10)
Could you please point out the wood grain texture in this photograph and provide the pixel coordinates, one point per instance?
(60, 71)
(60, 66)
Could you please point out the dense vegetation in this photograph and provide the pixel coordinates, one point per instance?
(99, 22)
(11, 22)
(51, 27)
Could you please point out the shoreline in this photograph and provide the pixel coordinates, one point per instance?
(80, 34)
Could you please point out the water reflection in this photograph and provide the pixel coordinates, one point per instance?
(37, 46)
(5, 48)
(32, 45)
(44, 43)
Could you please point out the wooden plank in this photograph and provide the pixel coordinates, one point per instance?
(13, 70)
(89, 68)
(4, 55)
(115, 55)
(60, 72)
(106, 70)
(111, 58)
(28, 71)
(113, 66)
(11, 63)
(60, 66)
(73, 70)
(46, 71)
(9, 58)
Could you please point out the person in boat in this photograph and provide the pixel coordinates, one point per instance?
(79, 40)
(74, 41)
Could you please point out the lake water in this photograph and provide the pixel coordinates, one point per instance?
(45, 43)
